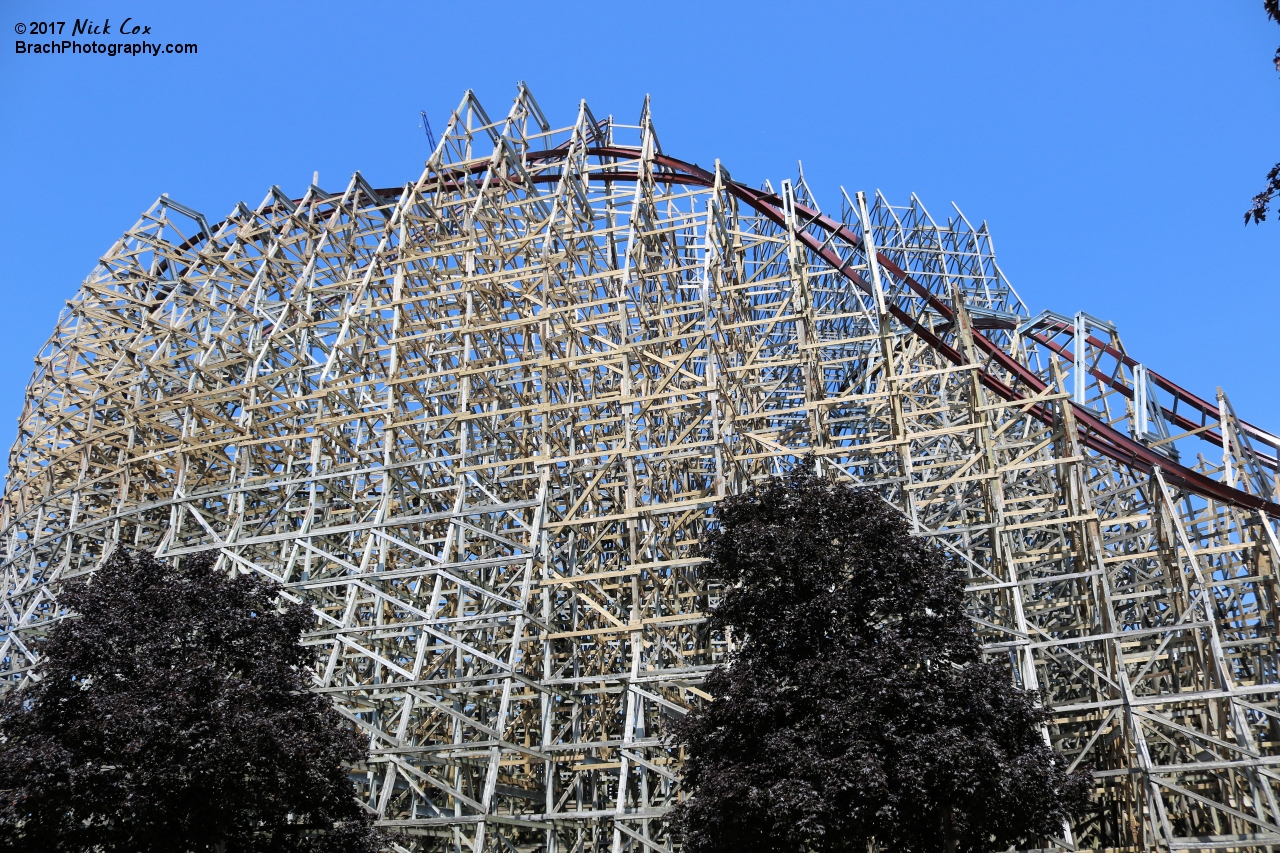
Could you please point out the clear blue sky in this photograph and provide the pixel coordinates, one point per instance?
(1112, 146)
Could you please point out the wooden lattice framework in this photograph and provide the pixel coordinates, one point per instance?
(480, 422)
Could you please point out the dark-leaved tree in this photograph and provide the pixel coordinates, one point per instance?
(1262, 201)
(855, 708)
(172, 714)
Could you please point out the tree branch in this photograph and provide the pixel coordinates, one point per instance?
(1261, 201)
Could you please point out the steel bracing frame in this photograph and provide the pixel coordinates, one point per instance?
(480, 422)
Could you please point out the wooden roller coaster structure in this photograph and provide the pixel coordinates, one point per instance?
(480, 423)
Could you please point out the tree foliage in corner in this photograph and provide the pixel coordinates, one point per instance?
(173, 714)
(1261, 201)
(855, 708)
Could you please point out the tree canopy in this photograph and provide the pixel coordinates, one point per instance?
(855, 707)
(1262, 201)
(172, 713)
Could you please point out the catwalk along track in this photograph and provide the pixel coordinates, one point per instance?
(480, 422)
